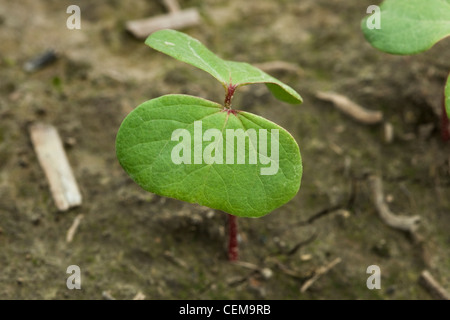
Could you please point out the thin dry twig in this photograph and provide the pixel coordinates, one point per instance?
(404, 223)
(247, 265)
(175, 19)
(301, 244)
(435, 289)
(350, 108)
(319, 214)
(319, 273)
(264, 271)
(73, 228)
(170, 256)
(172, 5)
(182, 19)
(290, 272)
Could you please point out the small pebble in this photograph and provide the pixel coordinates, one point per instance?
(388, 130)
(389, 198)
(210, 214)
(306, 257)
(40, 61)
(266, 273)
(70, 142)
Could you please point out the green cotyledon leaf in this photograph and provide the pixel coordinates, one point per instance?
(409, 26)
(187, 49)
(194, 150)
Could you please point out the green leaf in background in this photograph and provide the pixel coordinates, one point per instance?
(187, 49)
(148, 139)
(409, 26)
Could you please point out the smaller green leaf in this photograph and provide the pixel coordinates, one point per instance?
(243, 73)
(409, 26)
(189, 50)
(447, 96)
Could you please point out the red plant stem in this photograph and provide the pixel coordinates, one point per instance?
(233, 250)
(445, 130)
(230, 92)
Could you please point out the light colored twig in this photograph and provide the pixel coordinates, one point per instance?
(175, 20)
(436, 290)
(172, 5)
(246, 265)
(169, 256)
(73, 228)
(350, 108)
(404, 223)
(265, 272)
(289, 272)
(319, 273)
(52, 158)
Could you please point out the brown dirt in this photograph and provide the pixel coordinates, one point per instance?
(131, 241)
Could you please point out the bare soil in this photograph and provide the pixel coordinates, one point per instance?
(132, 241)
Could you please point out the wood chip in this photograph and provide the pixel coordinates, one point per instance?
(141, 29)
(73, 228)
(350, 108)
(404, 223)
(52, 158)
(319, 273)
(435, 289)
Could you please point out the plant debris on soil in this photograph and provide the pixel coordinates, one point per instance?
(133, 244)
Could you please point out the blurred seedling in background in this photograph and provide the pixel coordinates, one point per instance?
(408, 27)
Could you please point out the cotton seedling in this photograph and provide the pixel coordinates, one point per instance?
(204, 152)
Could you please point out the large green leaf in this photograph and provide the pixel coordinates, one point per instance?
(409, 26)
(187, 49)
(145, 149)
